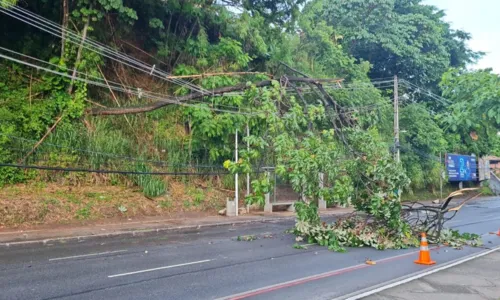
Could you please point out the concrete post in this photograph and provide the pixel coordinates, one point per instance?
(268, 208)
(236, 188)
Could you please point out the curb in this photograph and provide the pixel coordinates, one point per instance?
(139, 232)
(408, 278)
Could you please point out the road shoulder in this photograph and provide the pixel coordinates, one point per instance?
(142, 227)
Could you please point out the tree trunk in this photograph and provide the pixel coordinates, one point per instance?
(49, 131)
(240, 87)
(65, 21)
(79, 55)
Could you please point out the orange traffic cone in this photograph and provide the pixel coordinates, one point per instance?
(425, 255)
(498, 232)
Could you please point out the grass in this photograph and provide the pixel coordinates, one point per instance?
(152, 186)
(65, 204)
(84, 213)
(198, 196)
(486, 191)
(426, 195)
(52, 202)
(73, 199)
(165, 204)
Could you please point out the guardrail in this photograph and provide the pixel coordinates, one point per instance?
(495, 184)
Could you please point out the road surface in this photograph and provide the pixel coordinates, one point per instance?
(211, 263)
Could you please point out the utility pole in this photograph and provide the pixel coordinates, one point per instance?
(396, 118)
(236, 193)
(440, 176)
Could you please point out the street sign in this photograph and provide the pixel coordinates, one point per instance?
(461, 167)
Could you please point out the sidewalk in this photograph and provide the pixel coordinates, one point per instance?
(478, 279)
(43, 234)
(106, 228)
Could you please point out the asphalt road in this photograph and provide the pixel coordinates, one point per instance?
(212, 264)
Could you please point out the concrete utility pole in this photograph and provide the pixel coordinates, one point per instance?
(396, 118)
(440, 175)
(236, 193)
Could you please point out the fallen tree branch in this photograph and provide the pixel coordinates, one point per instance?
(219, 74)
(114, 97)
(169, 101)
(43, 138)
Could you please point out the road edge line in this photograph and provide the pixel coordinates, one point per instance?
(405, 279)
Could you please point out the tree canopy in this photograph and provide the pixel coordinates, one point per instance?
(219, 47)
(398, 37)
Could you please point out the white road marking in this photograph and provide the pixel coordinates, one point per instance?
(420, 275)
(160, 268)
(87, 255)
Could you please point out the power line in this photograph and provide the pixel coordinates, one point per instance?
(137, 93)
(111, 155)
(421, 153)
(121, 172)
(55, 29)
(105, 83)
(73, 37)
(427, 92)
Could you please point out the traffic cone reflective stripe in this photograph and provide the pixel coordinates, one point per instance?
(424, 255)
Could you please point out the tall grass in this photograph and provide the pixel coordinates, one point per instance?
(152, 186)
(106, 139)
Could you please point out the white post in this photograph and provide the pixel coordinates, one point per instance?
(248, 174)
(396, 117)
(396, 124)
(236, 194)
(267, 205)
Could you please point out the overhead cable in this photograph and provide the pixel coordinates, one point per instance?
(120, 89)
(121, 172)
(55, 29)
(109, 83)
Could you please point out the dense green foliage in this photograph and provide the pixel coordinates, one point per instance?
(403, 37)
(357, 41)
(474, 121)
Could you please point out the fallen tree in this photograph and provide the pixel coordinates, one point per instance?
(198, 95)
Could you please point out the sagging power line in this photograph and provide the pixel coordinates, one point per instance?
(138, 93)
(120, 172)
(107, 154)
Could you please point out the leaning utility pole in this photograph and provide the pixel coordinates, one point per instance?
(396, 118)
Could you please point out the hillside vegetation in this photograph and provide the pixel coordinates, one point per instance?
(159, 107)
